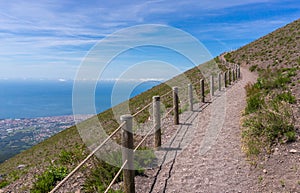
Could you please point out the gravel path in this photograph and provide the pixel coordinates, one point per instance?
(204, 155)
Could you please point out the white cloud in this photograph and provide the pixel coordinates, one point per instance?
(53, 31)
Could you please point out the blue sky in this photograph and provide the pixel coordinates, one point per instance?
(48, 39)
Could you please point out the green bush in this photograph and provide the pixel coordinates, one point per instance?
(3, 183)
(270, 80)
(287, 97)
(254, 103)
(281, 82)
(277, 121)
(252, 89)
(267, 126)
(65, 157)
(290, 72)
(104, 173)
(228, 57)
(253, 68)
(49, 178)
(290, 136)
(269, 116)
(101, 177)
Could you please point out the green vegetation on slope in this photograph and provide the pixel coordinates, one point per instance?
(39, 157)
(268, 115)
(46, 181)
(275, 50)
(271, 102)
(66, 149)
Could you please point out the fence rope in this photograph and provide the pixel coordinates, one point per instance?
(149, 132)
(110, 136)
(195, 83)
(167, 114)
(86, 159)
(148, 105)
(116, 176)
(145, 107)
(166, 94)
(122, 167)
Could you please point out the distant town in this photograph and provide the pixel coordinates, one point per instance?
(17, 135)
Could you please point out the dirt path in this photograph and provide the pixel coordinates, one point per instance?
(205, 153)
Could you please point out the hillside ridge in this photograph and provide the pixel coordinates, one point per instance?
(276, 50)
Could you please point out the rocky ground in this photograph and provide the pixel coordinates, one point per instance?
(214, 161)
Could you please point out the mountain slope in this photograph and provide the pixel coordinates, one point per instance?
(276, 50)
(66, 148)
(271, 123)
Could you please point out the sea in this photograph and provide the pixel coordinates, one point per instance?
(32, 99)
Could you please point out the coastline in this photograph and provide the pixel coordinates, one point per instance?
(17, 135)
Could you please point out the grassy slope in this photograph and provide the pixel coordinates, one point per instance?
(275, 50)
(40, 156)
(272, 113)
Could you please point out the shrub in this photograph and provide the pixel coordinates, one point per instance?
(66, 157)
(228, 57)
(279, 79)
(290, 136)
(252, 89)
(269, 116)
(267, 126)
(101, 177)
(254, 103)
(48, 179)
(3, 183)
(253, 68)
(104, 173)
(71, 157)
(287, 97)
(255, 100)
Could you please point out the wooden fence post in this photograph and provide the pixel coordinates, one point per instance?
(176, 105)
(220, 81)
(156, 121)
(225, 79)
(127, 154)
(202, 90)
(212, 85)
(190, 96)
(229, 77)
(237, 72)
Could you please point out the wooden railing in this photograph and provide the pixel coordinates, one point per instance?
(128, 150)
